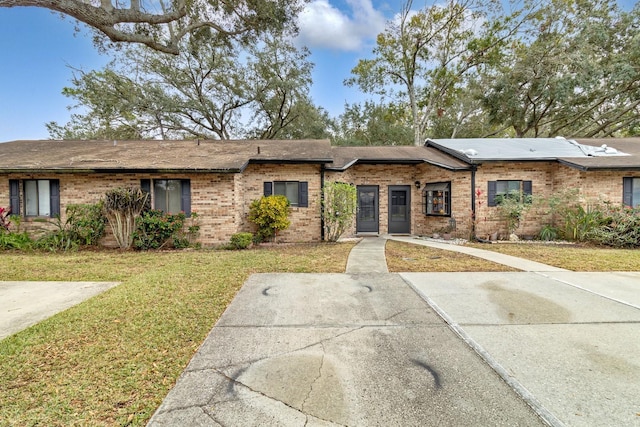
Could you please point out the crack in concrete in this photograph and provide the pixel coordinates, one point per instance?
(317, 378)
(292, 351)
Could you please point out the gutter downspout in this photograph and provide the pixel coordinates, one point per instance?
(473, 202)
(321, 202)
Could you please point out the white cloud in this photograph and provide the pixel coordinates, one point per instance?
(324, 25)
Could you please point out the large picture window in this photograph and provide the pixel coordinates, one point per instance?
(170, 195)
(297, 192)
(437, 198)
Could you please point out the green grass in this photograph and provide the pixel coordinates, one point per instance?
(112, 359)
(571, 257)
(408, 257)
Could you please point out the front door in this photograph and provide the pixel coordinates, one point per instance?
(399, 209)
(367, 218)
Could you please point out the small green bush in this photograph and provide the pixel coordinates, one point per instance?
(241, 240)
(17, 241)
(84, 226)
(548, 233)
(270, 214)
(155, 230)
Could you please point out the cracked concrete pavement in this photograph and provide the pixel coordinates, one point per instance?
(542, 347)
(337, 349)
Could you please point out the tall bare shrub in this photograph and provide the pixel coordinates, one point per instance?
(122, 206)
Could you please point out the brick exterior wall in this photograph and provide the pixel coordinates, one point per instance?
(305, 221)
(384, 176)
(222, 200)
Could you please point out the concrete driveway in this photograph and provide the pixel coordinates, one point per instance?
(372, 349)
(23, 304)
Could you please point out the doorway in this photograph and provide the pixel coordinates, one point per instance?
(367, 217)
(400, 209)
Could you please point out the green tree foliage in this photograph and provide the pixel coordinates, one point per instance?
(427, 53)
(215, 89)
(270, 214)
(163, 25)
(574, 72)
(339, 204)
(374, 124)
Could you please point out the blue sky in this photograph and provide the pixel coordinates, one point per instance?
(39, 46)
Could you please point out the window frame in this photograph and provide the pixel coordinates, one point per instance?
(303, 192)
(525, 189)
(437, 195)
(18, 188)
(149, 186)
(628, 190)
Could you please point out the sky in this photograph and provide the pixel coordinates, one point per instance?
(40, 48)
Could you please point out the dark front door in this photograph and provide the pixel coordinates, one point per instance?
(399, 209)
(367, 218)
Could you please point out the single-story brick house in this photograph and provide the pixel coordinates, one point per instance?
(407, 190)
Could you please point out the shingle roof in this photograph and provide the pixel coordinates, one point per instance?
(216, 156)
(605, 153)
(344, 157)
(630, 146)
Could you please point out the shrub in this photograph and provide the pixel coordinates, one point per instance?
(241, 240)
(87, 222)
(60, 239)
(19, 241)
(122, 206)
(84, 226)
(155, 229)
(619, 227)
(512, 208)
(338, 208)
(548, 233)
(5, 219)
(270, 214)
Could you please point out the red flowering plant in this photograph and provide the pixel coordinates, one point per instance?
(5, 222)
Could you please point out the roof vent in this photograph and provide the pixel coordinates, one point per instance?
(470, 152)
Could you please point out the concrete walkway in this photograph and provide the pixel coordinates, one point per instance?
(508, 260)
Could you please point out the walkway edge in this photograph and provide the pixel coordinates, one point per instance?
(497, 257)
(525, 394)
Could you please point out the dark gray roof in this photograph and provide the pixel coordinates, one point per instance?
(605, 153)
(344, 157)
(216, 156)
(630, 146)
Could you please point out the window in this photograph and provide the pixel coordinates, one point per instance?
(437, 198)
(297, 192)
(41, 197)
(631, 192)
(170, 195)
(498, 190)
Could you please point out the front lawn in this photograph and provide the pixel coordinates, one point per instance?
(112, 359)
(570, 256)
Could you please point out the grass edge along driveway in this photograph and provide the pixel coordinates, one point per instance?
(112, 359)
